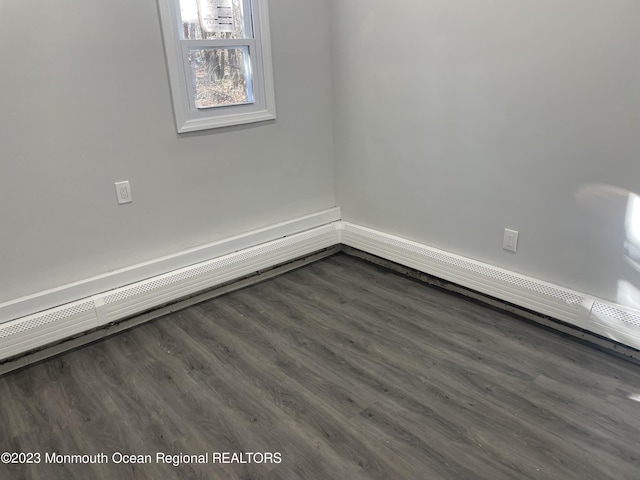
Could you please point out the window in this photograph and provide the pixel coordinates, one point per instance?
(219, 62)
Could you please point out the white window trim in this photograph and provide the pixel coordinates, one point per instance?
(189, 119)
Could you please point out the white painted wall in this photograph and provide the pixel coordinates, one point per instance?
(84, 102)
(455, 119)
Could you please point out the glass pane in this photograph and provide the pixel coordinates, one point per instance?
(212, 19)
(221, 76)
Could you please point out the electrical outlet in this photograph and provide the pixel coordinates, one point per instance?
(510, 240)
(123, 192)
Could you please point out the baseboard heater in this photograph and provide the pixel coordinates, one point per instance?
(43, 328)
(617, 323)
(612, 323)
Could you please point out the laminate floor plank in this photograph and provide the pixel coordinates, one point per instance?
(298, 317)
(304, 404)
(238, 395)
(377, 306)
(345, 369)
(292, 363)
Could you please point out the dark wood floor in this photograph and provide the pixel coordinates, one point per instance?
(349, 372)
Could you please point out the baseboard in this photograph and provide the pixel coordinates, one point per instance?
(36, 330)
(97, 334)
(611, 321)
(64, 294)
(109, 307)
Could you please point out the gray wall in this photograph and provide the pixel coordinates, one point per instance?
(84, 102)
(456, 119)
(451, 121)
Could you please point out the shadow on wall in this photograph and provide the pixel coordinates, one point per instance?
(615, 204)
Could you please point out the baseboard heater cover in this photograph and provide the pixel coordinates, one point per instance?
(40, 329)
(33, 331)
(609, 320)
(615, 322)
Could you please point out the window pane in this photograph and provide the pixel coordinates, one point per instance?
(221, 76)
(212, 19)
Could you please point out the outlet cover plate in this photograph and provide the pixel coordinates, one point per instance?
(510, 240)
(123, 192)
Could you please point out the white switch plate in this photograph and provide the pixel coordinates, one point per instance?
(123, 192)
(510, 240)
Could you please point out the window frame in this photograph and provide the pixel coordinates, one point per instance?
(188, 117)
